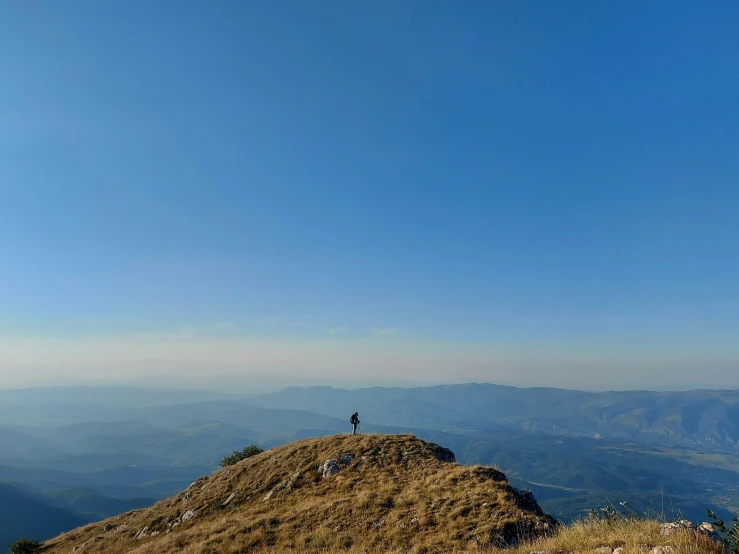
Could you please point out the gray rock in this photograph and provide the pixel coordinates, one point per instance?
(297, 475)
(189, 515)
(286, 485)
(330, 467)
(709, 530)
(667, 529)
(83, 545)
(198, 481)
(346, 459)
(603, 550)
(618, 550)
(230, 498)
(662, 550)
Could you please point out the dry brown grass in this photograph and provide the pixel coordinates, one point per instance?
(394, 496)
(635, 537)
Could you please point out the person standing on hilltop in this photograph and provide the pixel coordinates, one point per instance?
(354, 420)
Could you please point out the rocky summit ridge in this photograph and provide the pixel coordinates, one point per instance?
(367, 492)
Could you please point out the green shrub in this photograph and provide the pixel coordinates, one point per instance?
(611, 514)
(236, 456)
(729, 531)
(24, 546)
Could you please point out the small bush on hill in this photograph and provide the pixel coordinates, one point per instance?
(24, 546)
(236, 456)
(729, 531)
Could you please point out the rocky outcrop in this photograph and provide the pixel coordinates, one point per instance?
(332, 466)
(285, 485)
(189, 515)
(444, 454)
(684, 525)
(525, 499)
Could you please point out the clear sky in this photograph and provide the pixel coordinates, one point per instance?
(518, 192)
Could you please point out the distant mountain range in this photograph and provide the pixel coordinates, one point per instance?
(705, 419)
(29, 512)
(671, 451)
(23, 515)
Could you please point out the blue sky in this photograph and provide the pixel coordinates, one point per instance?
(542, 186)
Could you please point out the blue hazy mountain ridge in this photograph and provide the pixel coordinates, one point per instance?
(95, 436)
(156, 450)
(27, 511)
(22, 515)
(177, 435)
(702, 418)
(116, 480)
(263, 423)
(112, 396)
(14, 444)
(85, 503)
(94, 446)
(187, 444)
(65, 405)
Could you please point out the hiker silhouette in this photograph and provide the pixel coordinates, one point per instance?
(354, 420)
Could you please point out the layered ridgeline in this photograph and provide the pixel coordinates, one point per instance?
(374, 492)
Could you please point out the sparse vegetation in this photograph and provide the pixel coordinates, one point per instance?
(729, 532)
(610, 513)
(240, 455)
(635, 536)
(24, 546)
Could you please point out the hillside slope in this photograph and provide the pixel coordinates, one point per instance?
(371, 491)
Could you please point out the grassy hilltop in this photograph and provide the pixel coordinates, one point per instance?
(371, 493)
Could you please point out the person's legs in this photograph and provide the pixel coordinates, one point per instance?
(354, 428)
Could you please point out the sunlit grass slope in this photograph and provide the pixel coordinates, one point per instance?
(389, 492)
(372, 493)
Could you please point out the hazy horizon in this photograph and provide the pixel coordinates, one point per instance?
(522, 193)
(235, 385)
